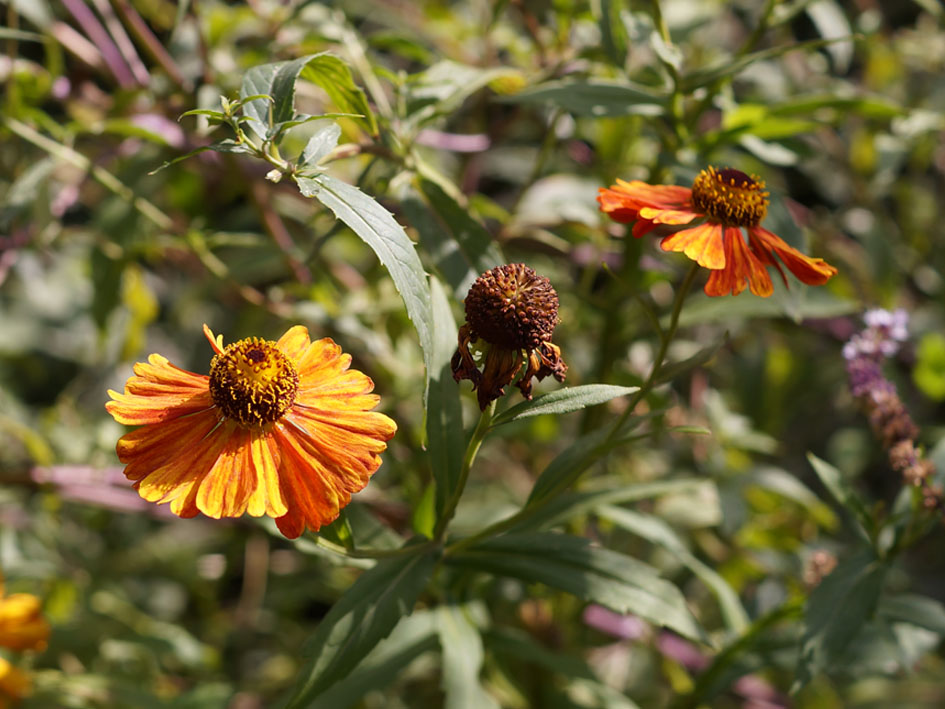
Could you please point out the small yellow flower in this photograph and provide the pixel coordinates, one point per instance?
(514, 311)
(280, 428)
(14, 684)
(22, 625)
(729, 201)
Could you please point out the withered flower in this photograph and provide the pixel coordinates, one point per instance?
(514, 311)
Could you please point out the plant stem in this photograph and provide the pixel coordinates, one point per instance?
(485, 419)
(371, 553)
(665, 339)
(609, 443)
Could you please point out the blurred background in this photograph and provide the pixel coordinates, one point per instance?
(499, 119)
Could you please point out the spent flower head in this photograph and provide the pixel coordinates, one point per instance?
(280, 428)
(729, 201)
(514, 312)
(865, 353)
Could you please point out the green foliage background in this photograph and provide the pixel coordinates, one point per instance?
(485, 128)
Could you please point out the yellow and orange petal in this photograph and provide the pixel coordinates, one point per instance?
(624, 202)
(729, 201)
(14, 684)
(22, 625)
(285, 430)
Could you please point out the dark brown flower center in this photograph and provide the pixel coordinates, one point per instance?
(512, 306)
(253, 382)
(730, 197)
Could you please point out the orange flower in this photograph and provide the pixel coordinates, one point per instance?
(728, 200)
(14, 684)
(281, 428)
(22, 625)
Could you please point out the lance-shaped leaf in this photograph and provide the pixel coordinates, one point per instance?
(837, 611)
(444, 410)
(412, 637)
(379, 230)
(563, 401)
(320, 144)
(593, 98)
(591, 573)
(278, 81)
(462, 650)
(363, 617)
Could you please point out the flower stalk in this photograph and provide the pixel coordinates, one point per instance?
(478, 435)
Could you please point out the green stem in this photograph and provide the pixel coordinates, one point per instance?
(485, 420)
(665, 339)
(105, 178)
(608, 444)
(372, 553)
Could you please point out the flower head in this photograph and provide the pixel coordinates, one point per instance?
(14, 684)
(514, 311)
(729, 201)
(22, 625)
(279, 428)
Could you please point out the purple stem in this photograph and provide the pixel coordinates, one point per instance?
(93, 28)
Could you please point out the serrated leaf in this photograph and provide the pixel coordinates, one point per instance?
(591, 573)
(379, 230)
(593, 98)
(364, 616)
(334, 77)
(444, 420)
(836, 612)
(563, 401)
(841, 491)
(462, 650)
(278, 81)
(322, 142)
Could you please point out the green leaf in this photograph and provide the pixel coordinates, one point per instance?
(364, 616)
(671, 371)
(423, 519)
(838, 486)
(322, 142)
(563, 401)
(568, 506)
(658, 532)
(412, 637)
(518, 646)
(836, 611)
(444, 410)
(593, 574)
(920, 611)
(458, 238)
(227, 145)
(816, 303)
(379, 230)
(577, 457)
(462, 651)
(334, 77)
(443, 87)
(929, 371)
(728, 69)
(593, 98)
(278, 81)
